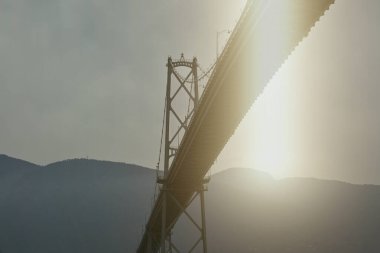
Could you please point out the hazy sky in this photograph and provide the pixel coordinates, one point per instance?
(87, 78)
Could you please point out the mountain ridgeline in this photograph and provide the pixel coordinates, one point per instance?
(83, 205)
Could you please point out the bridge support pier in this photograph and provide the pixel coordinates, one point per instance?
(167, 245)
(203, 213)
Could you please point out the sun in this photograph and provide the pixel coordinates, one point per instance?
(265, 139)
(271, 139)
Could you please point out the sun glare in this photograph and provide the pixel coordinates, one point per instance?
(271, 145)
(270, 117)
(264, 139)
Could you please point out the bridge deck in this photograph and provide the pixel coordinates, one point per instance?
(266, 34)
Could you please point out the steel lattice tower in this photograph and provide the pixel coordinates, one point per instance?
(188, 84)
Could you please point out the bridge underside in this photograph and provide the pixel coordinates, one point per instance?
(266, 34)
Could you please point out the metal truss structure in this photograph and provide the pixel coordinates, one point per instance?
(188, 84)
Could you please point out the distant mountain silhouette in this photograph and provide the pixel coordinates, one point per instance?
(83, 205)
(75, 205)
(295, 215)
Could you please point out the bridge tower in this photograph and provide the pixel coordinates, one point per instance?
(182, 96)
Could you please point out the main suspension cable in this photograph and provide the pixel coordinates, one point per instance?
(160, 151)
(162, 136)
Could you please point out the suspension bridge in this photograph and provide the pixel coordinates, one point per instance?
(265, 35)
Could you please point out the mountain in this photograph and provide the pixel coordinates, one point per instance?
(295, 215)
(12, 171)
(83, 205)
(75, 205)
